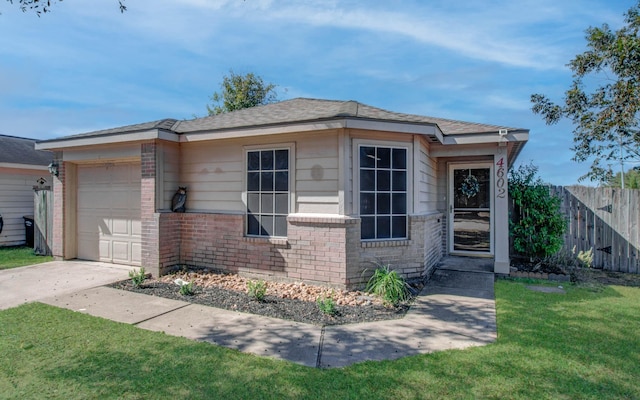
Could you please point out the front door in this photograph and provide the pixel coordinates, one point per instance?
(470, 209)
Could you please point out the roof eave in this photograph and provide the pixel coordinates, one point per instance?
(519, 135)
(108, 138)
(314, 125)
(23, 166)
(517, 149)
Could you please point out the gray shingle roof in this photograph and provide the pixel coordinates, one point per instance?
(293, 111)
(166, 124)
(17, 150)
(304, 110)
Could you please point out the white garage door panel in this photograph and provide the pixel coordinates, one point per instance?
(109, 227)
(121, 251)
(136, 251)
(136, 228)
(105, 250)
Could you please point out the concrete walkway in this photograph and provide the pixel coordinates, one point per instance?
(455, 310)
(36, 282)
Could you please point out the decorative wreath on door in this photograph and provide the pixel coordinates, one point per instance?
(470, 186)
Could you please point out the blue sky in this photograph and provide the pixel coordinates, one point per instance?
(86, 67)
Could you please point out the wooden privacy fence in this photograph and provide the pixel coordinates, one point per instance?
(604, 220)
(43, 220)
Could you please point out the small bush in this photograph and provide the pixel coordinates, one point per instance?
(187, 289)
(573, 259)
(327, 305)
(585, 257)
(389, 285)
(137, 278)
(257, 290)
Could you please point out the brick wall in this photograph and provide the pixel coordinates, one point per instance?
(317, 249)
(414, 258)
(434, 236)
(314, 250)
(217, 241)
(169, 240)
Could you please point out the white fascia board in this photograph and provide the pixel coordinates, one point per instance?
(390, 126)
(400, 127)
(461, 151)
(108, 139)
(476, 138)
(439, 134)
(259, 131)
(477, 149)
(24, 166)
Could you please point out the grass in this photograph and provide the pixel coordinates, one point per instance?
(13, 257)
(582, 344)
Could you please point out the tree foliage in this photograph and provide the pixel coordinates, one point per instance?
(536, 224)
(604, 98)
(44, 6)
(241, 91)
(631, 179)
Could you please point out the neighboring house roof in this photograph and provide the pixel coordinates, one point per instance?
(17, 150)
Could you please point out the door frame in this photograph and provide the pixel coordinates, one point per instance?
(450, 196)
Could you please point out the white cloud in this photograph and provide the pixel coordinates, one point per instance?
(507, 101)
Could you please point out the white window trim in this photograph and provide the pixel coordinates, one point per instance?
(292, 193)
(355, 168)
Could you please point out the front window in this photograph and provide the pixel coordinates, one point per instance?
(383, 192)
(267, 192)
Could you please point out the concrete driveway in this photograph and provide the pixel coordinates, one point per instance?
(36, 282)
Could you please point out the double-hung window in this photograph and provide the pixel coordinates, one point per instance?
(383, 192)
(267, 192)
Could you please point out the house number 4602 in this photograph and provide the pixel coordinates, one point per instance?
(502, 192)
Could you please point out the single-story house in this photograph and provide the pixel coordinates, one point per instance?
(21, 167)
(302, 189)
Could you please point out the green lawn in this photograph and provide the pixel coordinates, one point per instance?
(12, 257)
(581, 345)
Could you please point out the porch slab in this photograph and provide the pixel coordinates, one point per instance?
(467, 264)
(461, 283)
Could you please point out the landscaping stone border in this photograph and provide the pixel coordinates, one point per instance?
(540, 275)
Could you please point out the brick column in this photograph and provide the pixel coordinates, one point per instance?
(149, 219)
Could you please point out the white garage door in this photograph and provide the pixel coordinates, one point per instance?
(108, 215)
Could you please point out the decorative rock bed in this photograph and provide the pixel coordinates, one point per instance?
(291, 301)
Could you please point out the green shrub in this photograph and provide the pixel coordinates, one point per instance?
(389, 285)
(257, 290)
(327, 305)
(137, 278)
(187, 289)
(536, 224)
